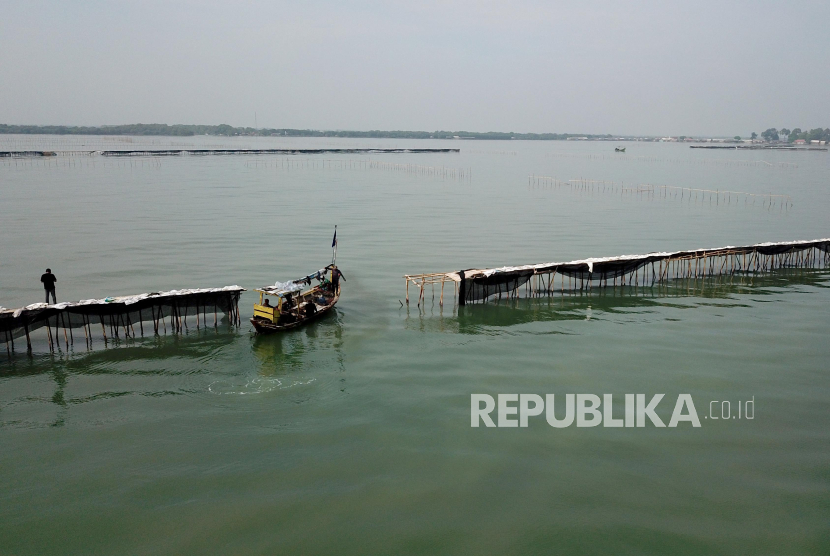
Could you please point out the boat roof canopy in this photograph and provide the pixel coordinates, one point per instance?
(281, 289)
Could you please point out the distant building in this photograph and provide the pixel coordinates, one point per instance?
(800, 142)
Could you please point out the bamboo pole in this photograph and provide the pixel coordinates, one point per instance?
(49, 335)
(441, 301)
(86, 333)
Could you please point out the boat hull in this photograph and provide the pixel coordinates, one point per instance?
(263, 326)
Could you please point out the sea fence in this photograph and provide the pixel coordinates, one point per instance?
(497, 153)
(679, 161)
(206, 152)
(440, 172)
(477, 285)
(584, 305)
(137, 159)
(120, 317)
(650, 191)
(77, 161)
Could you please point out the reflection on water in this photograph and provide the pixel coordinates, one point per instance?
(290, 359)
(598, 303)
(42, 389)
(286, 352)
(359, 423)
(45, 389)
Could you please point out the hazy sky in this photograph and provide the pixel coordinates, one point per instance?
(622, 66)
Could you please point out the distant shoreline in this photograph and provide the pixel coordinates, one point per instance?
(224, 130)
(762, 147)
(164, 130)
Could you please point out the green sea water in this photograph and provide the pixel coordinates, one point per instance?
(352, 435)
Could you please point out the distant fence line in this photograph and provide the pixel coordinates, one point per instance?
(205, 152)
(286, 163)
(713, 196)
(442, 172)
(80, 162)
(694, 162)
(510, 153)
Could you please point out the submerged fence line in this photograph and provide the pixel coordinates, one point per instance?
(119, 315)
(72, 163)
(443, 172)
(473, 151)
(693, 162)
(628, 270)
(718, 196)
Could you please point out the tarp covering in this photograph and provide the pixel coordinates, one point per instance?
(124, 312)
(478, 284)
(282, 288)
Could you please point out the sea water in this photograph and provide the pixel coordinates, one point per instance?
(352, 435)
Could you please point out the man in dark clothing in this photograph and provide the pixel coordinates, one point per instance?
(288, 303)
(336, 275)
(49, 280)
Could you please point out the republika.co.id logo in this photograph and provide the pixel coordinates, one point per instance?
(589, 410)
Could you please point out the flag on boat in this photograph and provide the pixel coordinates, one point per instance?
(334, 239)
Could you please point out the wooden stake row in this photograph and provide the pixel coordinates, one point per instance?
(362, 164)
(120, 324)
(651, 191)
(648, 274)
(689, 161)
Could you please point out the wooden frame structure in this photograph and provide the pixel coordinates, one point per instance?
(421, 281)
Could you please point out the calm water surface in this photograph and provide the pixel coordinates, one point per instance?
(352, 435)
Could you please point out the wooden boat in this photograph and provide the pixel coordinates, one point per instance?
(294, 304)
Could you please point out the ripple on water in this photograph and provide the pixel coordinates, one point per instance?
(256, 385)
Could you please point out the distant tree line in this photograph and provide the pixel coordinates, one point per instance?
(816, 134)
(226, 130)
(130, 129)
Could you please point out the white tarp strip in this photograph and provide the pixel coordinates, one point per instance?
(126, 300)
(623, 258)
(293, 285)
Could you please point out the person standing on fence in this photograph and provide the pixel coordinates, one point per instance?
(49, 280)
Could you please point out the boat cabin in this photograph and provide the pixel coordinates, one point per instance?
(291, 302)
(286, 304)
